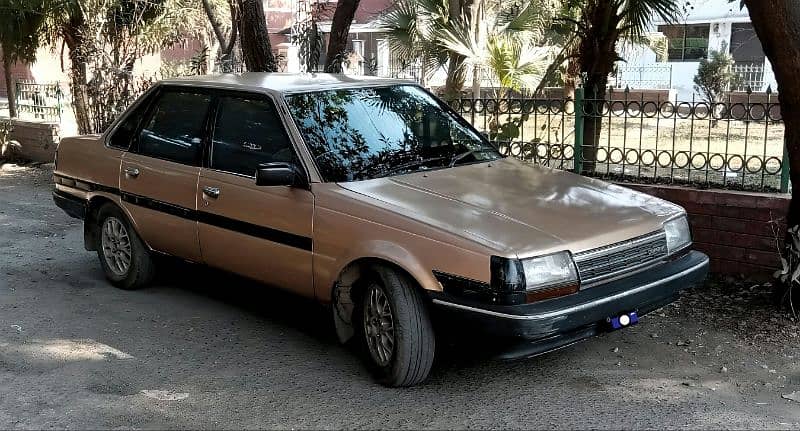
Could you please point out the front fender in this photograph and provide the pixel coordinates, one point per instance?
(375, 250)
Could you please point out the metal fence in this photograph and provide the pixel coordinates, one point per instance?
(39, 101)
(737, 144)
(749, 76)
(658, 76)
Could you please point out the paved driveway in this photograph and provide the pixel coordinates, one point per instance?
(202, 349)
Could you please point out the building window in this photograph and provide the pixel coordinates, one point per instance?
(745, 46)
(687, 42)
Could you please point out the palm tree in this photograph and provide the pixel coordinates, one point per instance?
(411, 29)
(503, 39)
(600, 27)
(495, 36)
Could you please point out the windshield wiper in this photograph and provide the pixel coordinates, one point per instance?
(459, 157)
(409, 165)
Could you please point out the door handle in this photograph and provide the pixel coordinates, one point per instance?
(131, 172)
(212, 192)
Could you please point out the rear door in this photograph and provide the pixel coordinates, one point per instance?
(262, 232)
(158, 181)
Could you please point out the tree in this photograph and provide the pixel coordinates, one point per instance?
(340, 29)
(497, 36)
(254, 37)
(18, 39)
(777, 25)
(456, 72)
(411, 29)
(715, 76)
(226, 44)
(104, 39)
(503, 39)
(602, 24)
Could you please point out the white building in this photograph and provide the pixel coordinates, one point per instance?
(705, 25)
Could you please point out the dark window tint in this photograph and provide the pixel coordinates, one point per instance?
(174, 131)
(123, 135)
(248, 132)
(367, 133)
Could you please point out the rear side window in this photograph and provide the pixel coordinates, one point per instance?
(175, 129)
(247, 133)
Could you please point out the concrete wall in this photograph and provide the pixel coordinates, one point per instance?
(741, 232)
(38, 140)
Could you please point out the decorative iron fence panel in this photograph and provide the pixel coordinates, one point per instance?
(749, 76)
(39, 101)
(653, 76)
(734, 144)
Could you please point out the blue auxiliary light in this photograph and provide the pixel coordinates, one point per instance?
(624, 320)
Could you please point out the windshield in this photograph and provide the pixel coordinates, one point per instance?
(364, 133)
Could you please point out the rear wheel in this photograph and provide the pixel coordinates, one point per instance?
(125, 259)
(395, 328)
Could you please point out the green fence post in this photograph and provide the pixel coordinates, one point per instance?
(785, 170)
(578, 149)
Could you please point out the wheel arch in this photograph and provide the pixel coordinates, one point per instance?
(90, 228)
(346, 289)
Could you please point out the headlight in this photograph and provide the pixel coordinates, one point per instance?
(549, 271)
(516, 281)
(678, 234)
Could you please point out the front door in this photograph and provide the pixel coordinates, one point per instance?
(158, 178)
(262, 232)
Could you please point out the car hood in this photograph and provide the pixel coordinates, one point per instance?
(519, 209)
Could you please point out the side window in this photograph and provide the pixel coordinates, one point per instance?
(174, 130)
(123, 135)
(248, 132)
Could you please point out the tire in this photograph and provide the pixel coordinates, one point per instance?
(113, 228)
(413, 342)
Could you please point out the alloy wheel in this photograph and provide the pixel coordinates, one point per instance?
(379, 325)
(116, 245)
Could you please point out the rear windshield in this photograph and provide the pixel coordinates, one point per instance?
(365, 133)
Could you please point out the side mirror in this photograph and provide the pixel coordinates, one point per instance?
(280, 174)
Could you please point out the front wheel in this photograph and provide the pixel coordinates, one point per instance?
(396, 330)
(125, 259)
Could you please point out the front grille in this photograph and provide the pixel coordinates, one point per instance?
(620, 258)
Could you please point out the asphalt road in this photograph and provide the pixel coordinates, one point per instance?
(202, 349)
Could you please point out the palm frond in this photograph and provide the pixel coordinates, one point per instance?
(402, 34)
(517, 66)
(637, 14)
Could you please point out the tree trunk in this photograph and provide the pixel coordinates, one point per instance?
(456, 72)
(254, 37)
(777, 25)
(10, 90)
(476, 82)
(73, 38)
(571, 77)
(216, 25)
(340, 29)
(597, 54)
(456, 76)
(594, 99)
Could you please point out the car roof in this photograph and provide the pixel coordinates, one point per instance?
(283, 82)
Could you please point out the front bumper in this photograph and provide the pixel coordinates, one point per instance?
(547, 325)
